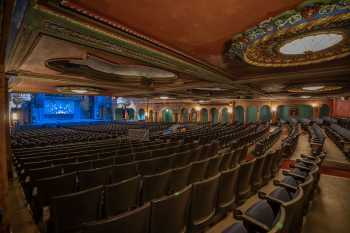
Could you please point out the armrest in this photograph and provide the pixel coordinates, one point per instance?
(273, 200)
(247, 220)
(308, 157)
(294, 175)
(285, 185)
(300, 167)
(306, 162)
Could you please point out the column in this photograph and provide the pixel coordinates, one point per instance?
(4, 135)
(233, 112)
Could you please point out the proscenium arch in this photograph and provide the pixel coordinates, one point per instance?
(225, 118)
(214, 115)
(324, 111)
(252, 114)
(239, 114)
(265, 113)
(204, 115)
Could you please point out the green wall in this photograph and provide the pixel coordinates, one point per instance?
(225, 116)
(214, 115)
(283, 112)
(167, 115)
(251, 114)
(239, 114)
(324, 110)
(204, 115)
(265, 113)
(304, 111)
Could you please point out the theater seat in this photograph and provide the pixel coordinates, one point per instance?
(123, 171)
(170, 213)
(213, 166)
(244, 180)
(179, 179)
(122, 196)
(94, 177)
(70, 211)
(198, 170)
(257, 175)
(134, 221)
(203, 203)
(155, 186)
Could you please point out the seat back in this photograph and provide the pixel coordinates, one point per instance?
(179, 178)
(155, 186)
(54, 186)
(244, 178)
(94, 177)
(213, 166)
(103, 162)
(135, 221)
(226, 161)
(123, 171)
(170, 213)
(40, 173)
(72, 167)
(203, 202)
(122, 196)
(70, 211)
(257, 176)
(227, 189)
(198, 170)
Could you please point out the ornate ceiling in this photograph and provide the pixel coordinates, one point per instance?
(199, 49)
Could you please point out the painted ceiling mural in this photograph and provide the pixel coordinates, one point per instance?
(316, 31)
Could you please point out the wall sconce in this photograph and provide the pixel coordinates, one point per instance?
(229, 110)
(314, 105)
(14, 116)
(273, 109)
(197, 108)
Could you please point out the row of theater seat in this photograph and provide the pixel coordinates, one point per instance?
(266, 142)
(219, 159)
(207, 199)
(283, 209)
(340, 136)
(316, 138)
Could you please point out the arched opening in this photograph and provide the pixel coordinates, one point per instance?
(118, 114)
(251, 114)
(304, 111)
(184, 115)
(225, 118)
(283, 112)
(204, 115)
(167, 115)
(131, 113)
(150, 116)
(324, 111)
(265, 113)
(214, 115)
(193, 115)
(239, 114)
(141, 114)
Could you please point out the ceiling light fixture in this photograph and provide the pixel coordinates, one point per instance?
(164, 97)
(80, 91)
(305, 96)
(313, 88)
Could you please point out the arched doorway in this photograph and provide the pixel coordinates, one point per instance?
(141, 114)
(167, 115)
(214, 115)
(193, 115)
(118, 114)
(251, 114)
(225, 118)
(239, 114)
(324, 111)
(184, 115)
(265, 113)
(305, 111)
(283, 112)
(204, 115)
(131, 113)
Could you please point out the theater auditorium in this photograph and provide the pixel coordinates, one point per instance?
(164, 116)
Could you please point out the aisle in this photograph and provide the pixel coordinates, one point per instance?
(330, 212)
